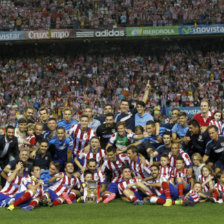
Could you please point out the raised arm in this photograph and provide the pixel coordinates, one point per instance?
(146, 94)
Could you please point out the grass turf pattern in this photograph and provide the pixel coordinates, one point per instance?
(116, 212)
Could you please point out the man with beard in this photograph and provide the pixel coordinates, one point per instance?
(8, 146)
(106, 110)
(195, 141)
(106, 130)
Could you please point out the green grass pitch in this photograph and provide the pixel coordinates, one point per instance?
(116, 212)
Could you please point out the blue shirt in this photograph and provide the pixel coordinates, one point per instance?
(48, 135)
(162, 150)
(67, 125)
(215, 149)
(45, 176)
(142, 120)
(151, 140)
(128, 118)
(61, 148)
(180, 130)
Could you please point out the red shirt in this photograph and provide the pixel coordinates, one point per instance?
(203, 121)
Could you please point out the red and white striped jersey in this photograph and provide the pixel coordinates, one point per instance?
(202, 179)
(97, 176)
(138, 169)
(40, 190)
(115, 167)
(194, 195)
(183, 174)
(155, 190)
(17, 185)
(123, 185)
(81, 138)
(65, 184)
(165, 172)
(31, 139)
(218, 124)
(182, 154)
(219, 187)
(99, 157)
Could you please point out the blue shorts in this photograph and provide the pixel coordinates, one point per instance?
(139, 195)
(173, 191)
(187, 189)
(4, 200)
(3, 197)
(113, 188)
(52, 195)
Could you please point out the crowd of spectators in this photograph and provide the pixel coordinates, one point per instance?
(178, 77)
(59, 14)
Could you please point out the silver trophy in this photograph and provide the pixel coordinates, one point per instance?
(91, 192)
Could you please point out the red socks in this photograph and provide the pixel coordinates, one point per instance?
(166, 190)
(161, 201)
(215, 194)
(180, 189)
(57, 202)
(72, 196)
(33, 203)
(26, 196)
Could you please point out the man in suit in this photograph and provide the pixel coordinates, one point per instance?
(8, 146)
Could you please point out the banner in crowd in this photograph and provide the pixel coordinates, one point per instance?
(49, 34)
(152, 31)
(100, 33)
(190, 111)
(11, 35)
(84, 33)
(201, 29)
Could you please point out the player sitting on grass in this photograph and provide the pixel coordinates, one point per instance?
(181, 179)
(32, 194)
(17, 181)
(62, 189)
(165, 193)
(132, 189)
(193, 196)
